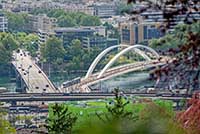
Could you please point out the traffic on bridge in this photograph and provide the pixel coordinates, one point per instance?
(34, 78)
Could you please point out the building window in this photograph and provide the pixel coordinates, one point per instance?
(136, 34)
(145, 33)
(126, 35)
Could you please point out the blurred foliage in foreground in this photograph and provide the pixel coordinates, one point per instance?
(5, 126)
(117, 117)
(153, 119)
(177, 38)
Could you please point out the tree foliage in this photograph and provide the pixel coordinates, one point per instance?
(190, 118)
(52, 50)
(61, 121)
(183, 71)
(175, 39)
(66, 21)
(5, 126)
(124, 8)
(17, 22)
(78, 57)
(70, 19)
(117, 109)
(4, 55)
(7, 45)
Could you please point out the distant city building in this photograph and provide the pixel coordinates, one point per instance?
(104, 10)
(98, 41)
(98, 30)
(112, 42)
(44, 36)
(95, 41)
(3, 23)
(41, 22)
(94, 36)
(157, 16)
(69, 34)
(133, 33)
(79, 8)
(115, 21)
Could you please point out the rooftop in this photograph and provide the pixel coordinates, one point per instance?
(73, 29)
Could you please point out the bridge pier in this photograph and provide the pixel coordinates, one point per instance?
(21, 86)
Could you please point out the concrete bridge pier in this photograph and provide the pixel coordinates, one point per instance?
(21, 86)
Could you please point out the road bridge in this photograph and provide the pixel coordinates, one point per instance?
(34, 78)
(151, 59)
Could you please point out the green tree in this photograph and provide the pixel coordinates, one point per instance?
(56, 13)
(52, 50)
(175, 39)
(5, 55)
(17, 22)
(66, 21)
(90, 21)
(5, 127)
(31, 44)
(20, 37)
(117, 109)
(7, 45)
(78, 17)
(9, 42)
(76, 48)
(76, 53)
(108, 26)
(61, 121)
(123, 8)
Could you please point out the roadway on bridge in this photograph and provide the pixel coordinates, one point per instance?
(35, 79)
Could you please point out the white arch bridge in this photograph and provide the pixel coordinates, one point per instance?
(151, 59)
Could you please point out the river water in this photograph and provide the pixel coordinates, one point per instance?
(5, 81)
(130, 81)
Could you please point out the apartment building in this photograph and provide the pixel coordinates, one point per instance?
(133, 32)
(3, 23)
(104, 10)
(41, 22)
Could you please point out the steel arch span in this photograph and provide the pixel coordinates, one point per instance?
(103, 53)
(111, 62)
(100, 56)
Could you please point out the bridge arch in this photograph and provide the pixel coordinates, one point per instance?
(111, 62)
(107, 50)
(100, 56)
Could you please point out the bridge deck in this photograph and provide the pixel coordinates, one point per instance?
(34, 78)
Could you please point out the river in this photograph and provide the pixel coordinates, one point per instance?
(128, 81)
(5, 81)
